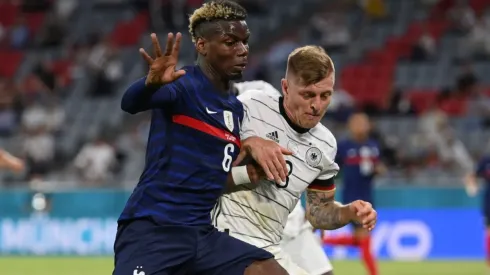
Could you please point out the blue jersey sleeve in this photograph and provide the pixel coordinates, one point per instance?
(139, 98)
(339, 157)
(480, 168)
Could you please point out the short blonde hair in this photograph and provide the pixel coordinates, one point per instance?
(215, 10)
(310, 64)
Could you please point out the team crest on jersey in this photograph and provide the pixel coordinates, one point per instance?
(228, 118)
(313, 156)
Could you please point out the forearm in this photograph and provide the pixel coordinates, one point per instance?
(137, 97)
(329, 216)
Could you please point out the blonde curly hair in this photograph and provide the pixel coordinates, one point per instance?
(215, 10)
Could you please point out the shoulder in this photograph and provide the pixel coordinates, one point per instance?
(191, 81)
(322, 133)
(259, 98)
(260, 85)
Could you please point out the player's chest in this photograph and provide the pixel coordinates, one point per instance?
(306, 163)
(220, 113)
(358, 154)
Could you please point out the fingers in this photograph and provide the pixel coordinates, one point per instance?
(281, 167)
(156, 45)
(178, 74)
(285, 151)
(366, 213)
(241, 156)
(145, 56)
(169, 46)
(274, 171)
(266, 169)
(370, 221)
(176, 47)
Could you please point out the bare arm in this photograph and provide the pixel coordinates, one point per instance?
(323, 212)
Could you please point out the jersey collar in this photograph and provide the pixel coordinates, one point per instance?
(295, 127)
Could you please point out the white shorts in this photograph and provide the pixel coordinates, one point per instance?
(306, 251)
(286, 262)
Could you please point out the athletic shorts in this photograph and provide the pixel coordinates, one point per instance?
(307, 252)
(144, 247)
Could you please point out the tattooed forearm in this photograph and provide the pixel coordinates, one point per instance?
(323, 212)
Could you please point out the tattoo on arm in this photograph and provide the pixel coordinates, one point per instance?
(323, 212)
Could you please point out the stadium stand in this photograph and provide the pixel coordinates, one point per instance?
(83, 60)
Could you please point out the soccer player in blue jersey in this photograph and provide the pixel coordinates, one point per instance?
(482, 171)
(358, 158)
(165, 227)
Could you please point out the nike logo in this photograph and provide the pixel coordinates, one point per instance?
(210, 112)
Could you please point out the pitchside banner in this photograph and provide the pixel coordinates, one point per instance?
(400, 235)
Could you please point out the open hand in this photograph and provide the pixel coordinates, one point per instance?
(162, 67)
(364, 214)
(269, 155)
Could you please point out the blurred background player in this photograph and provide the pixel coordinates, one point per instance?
(258, 214)
(165, 227)
(299, 241)
(358, 158)
(482, 171)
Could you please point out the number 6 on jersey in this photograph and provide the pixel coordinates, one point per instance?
(228, 159)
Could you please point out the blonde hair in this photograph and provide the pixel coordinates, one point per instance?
(310, 64)
(215, 10)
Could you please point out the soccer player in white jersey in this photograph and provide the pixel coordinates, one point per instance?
(298, 240)
(258, 213)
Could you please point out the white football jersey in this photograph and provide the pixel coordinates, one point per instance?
(258, 216)
(260, 85)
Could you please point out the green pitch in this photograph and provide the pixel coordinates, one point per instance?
(103, 266)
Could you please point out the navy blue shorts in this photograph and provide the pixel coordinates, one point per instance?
(144, 246)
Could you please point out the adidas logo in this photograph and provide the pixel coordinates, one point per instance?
(273, 135)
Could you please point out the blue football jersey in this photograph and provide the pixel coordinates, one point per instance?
(357, 162)
(193, 139)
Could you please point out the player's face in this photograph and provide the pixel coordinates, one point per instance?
(228, 49)
(307, 105)
(359, 125)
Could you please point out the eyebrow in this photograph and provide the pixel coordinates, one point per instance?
(234, 36)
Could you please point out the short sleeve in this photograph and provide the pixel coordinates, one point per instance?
(325, 181)
(247, 129)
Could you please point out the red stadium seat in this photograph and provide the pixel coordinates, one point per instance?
(62, 68)
(10, 62)
(422, 99)
(129, 33)
(35, 21)
(8, 13)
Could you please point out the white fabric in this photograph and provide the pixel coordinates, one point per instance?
(259, 216)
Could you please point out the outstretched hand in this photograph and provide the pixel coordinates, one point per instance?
(162, 67)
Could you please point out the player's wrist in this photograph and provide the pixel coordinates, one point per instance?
(240, 175)
(348, 215)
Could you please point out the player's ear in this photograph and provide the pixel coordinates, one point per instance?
(284, 86)
(201, 46)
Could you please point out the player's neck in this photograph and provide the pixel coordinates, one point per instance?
(288, 117)
(222, 84)
(360, 138)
